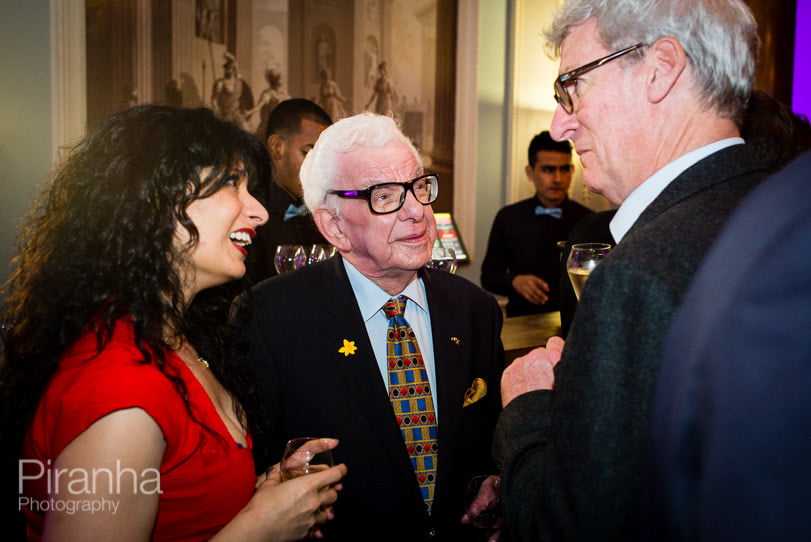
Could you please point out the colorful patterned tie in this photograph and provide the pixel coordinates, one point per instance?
(410, 395)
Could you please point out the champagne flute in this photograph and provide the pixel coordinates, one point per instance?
(305, 455)
(583, 258)
(443, 259)
(289, 258)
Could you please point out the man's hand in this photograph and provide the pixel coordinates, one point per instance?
(535, 371)
(484, 506)
(531, 288)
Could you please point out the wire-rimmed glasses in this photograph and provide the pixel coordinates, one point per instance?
(562, 95)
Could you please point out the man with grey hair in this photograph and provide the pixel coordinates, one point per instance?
(411, 393)
(651, 94)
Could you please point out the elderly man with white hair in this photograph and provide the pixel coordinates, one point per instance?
(398, 362)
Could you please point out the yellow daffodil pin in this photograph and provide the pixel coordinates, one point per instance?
(348, 348)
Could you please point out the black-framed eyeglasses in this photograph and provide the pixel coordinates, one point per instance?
(388, 198)
(562, 95)
(550, 170)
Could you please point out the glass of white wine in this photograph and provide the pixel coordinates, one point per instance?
(305, 455)
(583, 258)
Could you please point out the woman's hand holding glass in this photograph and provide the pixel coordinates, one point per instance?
(293, 509)
(306, 455)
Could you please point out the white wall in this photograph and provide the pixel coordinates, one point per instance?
(533, 75)
(25, 112)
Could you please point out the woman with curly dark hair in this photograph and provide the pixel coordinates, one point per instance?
(126, 408)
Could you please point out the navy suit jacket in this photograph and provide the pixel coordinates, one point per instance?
(297, 323)
(731, 425)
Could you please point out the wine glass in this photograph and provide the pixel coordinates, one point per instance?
(289, 258)
(305, 455)
(330, 250)
(491, 517)
(443, 259)
(317, 253)
(583, 258)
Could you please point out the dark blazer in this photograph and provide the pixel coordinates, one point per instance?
(572, 457)
(731, 423)
(299, 321)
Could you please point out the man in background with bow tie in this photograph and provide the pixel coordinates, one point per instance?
(292, 129)
(523, 260)
(398, 362)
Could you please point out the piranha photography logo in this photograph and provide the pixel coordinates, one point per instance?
(80, 490)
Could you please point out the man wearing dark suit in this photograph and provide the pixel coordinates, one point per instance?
(523, 258)
(292, 129)
(656, 129)
(317, 339)
(731, 419)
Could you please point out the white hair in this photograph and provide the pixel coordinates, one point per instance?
(321, 168)
(718, 36)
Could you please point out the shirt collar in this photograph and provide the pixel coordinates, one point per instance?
(371, 297)
(644, 194)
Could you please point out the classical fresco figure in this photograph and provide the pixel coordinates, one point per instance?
(330, 97)
(384, 95)
(231, 97)
(268, 100)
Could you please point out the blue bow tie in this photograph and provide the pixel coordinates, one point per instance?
(293, 211)
(557, 212)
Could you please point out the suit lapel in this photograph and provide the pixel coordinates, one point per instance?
(359, 370)
(716, 168)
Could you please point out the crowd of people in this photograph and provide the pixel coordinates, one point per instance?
(154, 368)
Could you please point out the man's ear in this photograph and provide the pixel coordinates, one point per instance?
(330, 227)
(668, 61)
(528, 170)
(276, 146)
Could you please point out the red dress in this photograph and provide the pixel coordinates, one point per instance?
(204, 480)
